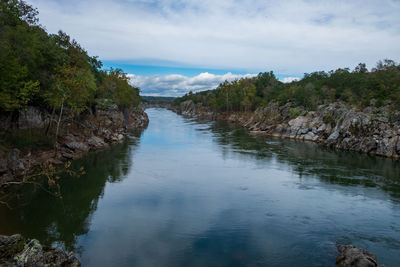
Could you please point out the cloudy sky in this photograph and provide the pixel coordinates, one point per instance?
(172, 46)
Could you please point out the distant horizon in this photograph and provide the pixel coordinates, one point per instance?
(154, 77)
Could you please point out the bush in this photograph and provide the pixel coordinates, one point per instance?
(294, 112)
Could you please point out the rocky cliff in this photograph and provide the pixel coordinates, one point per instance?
(77, 136)
(338, 125)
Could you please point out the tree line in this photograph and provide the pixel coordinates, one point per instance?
(52, 71)
(359, 87)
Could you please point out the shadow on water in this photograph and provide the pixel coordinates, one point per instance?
(61, 222)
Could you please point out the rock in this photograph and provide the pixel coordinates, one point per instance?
(384, 147)
(188, 108)
(10, 245)
(369, 146)
(33, 117)
(333, 137)
(68, 155)
(398, 146)
(96, 142)
(77, 146)
(339, 125)
(298, 122)
(31, 255)
(310, 136)
(86, 131)
(16, 251)
(351, 256)
(60, 258)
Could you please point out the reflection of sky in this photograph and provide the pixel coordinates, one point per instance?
(184, 203)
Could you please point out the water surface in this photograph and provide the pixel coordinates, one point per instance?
(187, 193)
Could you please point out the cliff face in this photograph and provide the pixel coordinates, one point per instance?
(371, 130)
(77, 136)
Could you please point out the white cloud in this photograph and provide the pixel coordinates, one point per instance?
(290, 79)
(285, 36)
(178, 85)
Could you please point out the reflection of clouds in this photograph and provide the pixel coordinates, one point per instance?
(183, 205)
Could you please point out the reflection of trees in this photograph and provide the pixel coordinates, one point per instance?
(306, 158)
(51, 220)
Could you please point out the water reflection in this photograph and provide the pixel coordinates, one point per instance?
(61, 222)
(191, 193)
(310, 159)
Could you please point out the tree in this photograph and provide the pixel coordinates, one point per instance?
(19, 48)
(361, 68)
(115, 86)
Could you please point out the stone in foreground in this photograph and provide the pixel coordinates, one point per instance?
(352, 256)
(17, 251)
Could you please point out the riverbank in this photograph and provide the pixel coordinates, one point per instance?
(77, 136)
(372, 130)
(18, 251)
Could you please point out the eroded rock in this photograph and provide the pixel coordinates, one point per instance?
(337, 125)
(352, 256)
(16, 251)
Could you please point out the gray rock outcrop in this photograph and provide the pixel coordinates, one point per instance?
(20, 252)
(337, 125)
(78, 135)
(352, 256)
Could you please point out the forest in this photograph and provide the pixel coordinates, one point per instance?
(359, 87)
(52, 71)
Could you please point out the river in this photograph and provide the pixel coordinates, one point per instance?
(189, 193)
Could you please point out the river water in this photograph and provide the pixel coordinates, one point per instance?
(188, 193)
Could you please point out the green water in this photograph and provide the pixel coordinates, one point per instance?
(187, 193)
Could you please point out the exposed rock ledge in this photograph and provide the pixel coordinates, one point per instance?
(17, 251)
(77, 136)
(351, 256)
(338, 125)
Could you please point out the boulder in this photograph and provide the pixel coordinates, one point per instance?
(333, 137)
(77, 146)
(188, 108)
(16, 251)
(96, 142)
(31, 255)
(352, 256)
(10, 246)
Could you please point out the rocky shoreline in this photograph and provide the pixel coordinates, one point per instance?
(352, 256)
(77, 136)
(18, 251)
(372, 130)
